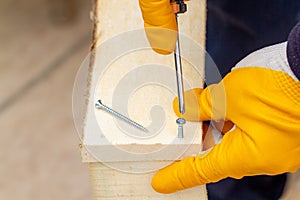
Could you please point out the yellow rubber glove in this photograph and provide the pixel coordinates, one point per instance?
(264, 105)
(160, 24)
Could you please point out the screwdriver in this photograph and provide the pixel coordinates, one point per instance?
(179, 7)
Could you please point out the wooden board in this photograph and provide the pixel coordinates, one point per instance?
(124, 186)
(127, 75)
(292, 187)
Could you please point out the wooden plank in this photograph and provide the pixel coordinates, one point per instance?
(140, 68)
(128, 76)
(123, 186)
(292, 187)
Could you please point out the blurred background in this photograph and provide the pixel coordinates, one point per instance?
(42, 44)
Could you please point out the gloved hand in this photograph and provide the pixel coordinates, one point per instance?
(263, 101)
(160, 24)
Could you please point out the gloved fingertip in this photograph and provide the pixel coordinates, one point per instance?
(163, 52)
(158, 184)
(162, 40)
(160, 25)
(176, 107)
(192, 108)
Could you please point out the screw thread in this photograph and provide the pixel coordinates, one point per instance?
(99, 105)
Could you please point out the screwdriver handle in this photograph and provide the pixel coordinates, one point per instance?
(178, 6)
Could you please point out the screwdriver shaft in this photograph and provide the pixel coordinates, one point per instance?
(178, 66)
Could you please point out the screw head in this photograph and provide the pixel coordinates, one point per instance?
(98, 104)
(180, 121)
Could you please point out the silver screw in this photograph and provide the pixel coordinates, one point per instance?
(100, 105)
(180, 122)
